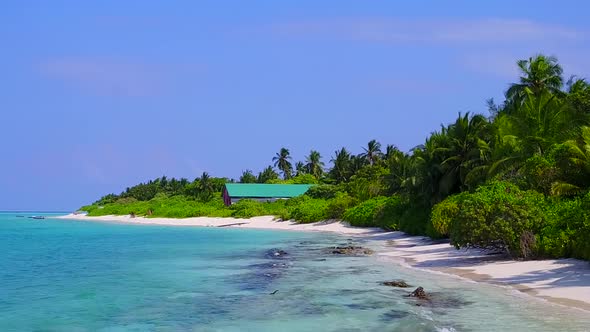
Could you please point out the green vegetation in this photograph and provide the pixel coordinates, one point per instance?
(516, 181)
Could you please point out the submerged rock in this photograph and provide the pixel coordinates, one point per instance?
(396, 283)
(420, 294)
(351, 251)
(445, 301)
(439, 300)
(276, 253)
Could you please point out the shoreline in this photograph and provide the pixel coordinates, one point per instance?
(559, 281)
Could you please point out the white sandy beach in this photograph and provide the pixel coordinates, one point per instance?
(563, 281)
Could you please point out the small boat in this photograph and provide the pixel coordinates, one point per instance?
(37, 217)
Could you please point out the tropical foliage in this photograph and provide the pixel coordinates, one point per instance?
(516, 180)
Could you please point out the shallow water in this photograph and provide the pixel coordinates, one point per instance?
(60, 275)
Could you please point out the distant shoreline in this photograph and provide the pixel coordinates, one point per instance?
(560, 281)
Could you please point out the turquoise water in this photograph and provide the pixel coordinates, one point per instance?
(61, 275)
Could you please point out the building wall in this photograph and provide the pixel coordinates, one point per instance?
(258, 199)
(226, 199)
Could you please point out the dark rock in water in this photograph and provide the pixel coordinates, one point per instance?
(351, 251)
(420, 294)
(276, 253)
(260, 276)
(396, 283)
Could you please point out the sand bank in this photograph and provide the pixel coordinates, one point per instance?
(563, 281)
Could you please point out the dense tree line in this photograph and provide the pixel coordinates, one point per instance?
(515, 180)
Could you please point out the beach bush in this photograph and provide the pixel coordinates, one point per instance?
(444, 213)
(368, 183)
(567, 231)
(324, 191)
(384, 212)
(305, 209)
(415, 219)
(162, 206)
(247, 208)
(302, 179)
(499, 216)
(339, 204)
(364, 214)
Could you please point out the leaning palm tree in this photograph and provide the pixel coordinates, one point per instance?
(341, 170)
(281, 161)
(372, 152)
(538, 74)
(314, 165)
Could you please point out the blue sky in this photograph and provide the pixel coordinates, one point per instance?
(100, 95)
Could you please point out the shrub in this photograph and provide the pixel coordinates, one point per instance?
(363, 214)
(247, 208)
(500, 216)
(384, 212)
(415, 219)
(303, 179)
(538, 173)
(368, 183)
(390, 214)
(339, 204)
(309, 210)
(323, 191)
(567, 232)
(444, 213)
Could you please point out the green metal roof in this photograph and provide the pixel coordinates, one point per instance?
(266, 190)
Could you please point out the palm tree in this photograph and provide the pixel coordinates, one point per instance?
(579, 157)
(205, 187)
(247, 177)
(467, 149)
(390, 150)
(281, 161)
(372, 152)
(267, 175)
(401, 165)
(578, 101)
(530, 128)
(314, 164)
(539, 122)
(341, 170)
(539, 73)
(300, 168)
(357, 162)
(427, 170)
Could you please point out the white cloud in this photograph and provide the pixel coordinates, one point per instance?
(106, 76)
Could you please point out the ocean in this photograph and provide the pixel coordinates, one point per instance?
(63, 275)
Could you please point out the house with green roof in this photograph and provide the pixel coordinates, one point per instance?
(233, 192)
